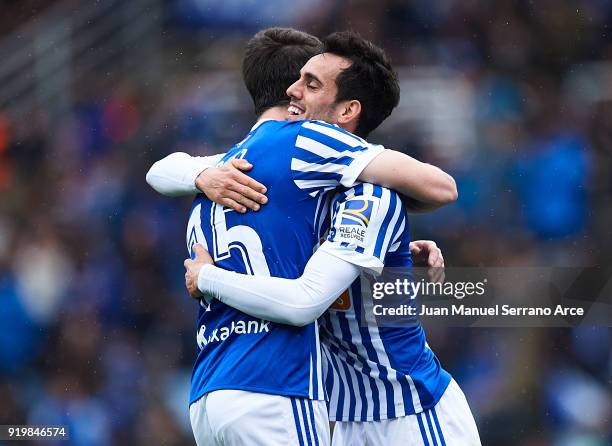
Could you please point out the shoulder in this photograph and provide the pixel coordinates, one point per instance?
(320, 130)
(371, 203)
(368, 219)
(273, 126)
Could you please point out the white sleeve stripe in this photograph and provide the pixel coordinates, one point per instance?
(368, 190)
(400, 230)
(351, 192)
(309, 184)
(395, 247)
(349, 140)
(376, 221)
(317, 214)
(318, 148)
(303, 166)
(391, 227)
(315, 192)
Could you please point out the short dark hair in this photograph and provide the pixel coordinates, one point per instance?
(370, 79)
(272, 62)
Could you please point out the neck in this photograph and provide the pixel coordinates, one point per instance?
(348, 126)
(278, 113)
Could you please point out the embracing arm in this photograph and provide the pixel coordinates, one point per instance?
(287, 301)
(291, 301)
(181, 174)
(426, 186)
(175, 175)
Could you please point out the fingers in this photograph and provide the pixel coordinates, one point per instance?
(192, 288)
(436, 275)
(250, 188)
(415, 249)
(427, 253)
(195, 293)
(241, 163)
(244, 190)
(435, 258)
(435, 261)
(191, 283)
(425, 244)
(199, 250)
(243, 194)
(242, 201)
(202, 255)
(229, 203)
(229, 186)
(250, 183)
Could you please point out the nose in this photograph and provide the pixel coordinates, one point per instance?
(294, 91)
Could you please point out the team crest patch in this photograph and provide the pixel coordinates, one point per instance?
(354, 221)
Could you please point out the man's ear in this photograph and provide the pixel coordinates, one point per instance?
(349, 116)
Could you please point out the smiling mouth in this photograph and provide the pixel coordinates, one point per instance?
(294, 110)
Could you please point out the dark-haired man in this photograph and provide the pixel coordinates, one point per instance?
(351, 78)
(258, 382)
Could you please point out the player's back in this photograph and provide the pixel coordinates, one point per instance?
(375, 372)
(238, 351)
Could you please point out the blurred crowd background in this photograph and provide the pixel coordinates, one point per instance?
(514, 98)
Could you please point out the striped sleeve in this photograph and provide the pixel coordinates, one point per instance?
(367, 223)
(326, 157)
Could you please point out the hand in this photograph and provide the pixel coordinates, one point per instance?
(426, 253)
(228, 186)
(193, 268)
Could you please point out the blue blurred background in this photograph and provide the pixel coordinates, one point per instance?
(514, 98)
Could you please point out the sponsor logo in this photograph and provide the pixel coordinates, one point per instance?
(220, 334)
(357, 213)
(352, 234)
(354, 221)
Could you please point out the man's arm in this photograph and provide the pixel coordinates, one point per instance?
(326, 156)
(426, 186)
(180, 174)
(175, 175)
(287, 301)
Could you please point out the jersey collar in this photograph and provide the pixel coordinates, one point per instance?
(260, 122)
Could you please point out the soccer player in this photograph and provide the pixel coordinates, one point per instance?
(385, 385)
(254, 381)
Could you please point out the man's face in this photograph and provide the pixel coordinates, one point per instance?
(313, 95)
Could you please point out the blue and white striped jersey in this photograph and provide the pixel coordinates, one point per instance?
(299, 162)
(373, 372)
